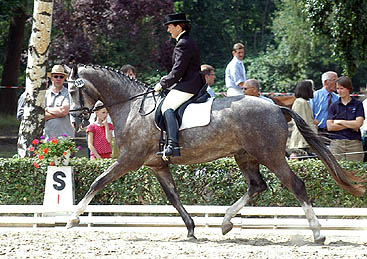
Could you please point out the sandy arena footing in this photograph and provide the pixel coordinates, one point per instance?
(172, 243)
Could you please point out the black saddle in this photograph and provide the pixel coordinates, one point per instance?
(201, 97)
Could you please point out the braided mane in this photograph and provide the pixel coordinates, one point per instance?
(116, 72)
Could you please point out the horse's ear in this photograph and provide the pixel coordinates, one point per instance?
(67, 69)
(74, 74)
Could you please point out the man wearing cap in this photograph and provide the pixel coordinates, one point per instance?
(57, 106)
(184, 78)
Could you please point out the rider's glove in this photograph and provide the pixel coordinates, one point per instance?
(158, 87)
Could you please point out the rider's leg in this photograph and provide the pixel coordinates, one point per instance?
(173, 100)
(172, 148)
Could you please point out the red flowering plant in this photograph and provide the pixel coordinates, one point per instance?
(54, 152)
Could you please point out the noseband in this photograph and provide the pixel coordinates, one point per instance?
(85, 111)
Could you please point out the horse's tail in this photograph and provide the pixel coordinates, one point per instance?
(347, 180)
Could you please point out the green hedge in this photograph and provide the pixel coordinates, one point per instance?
(215, 183)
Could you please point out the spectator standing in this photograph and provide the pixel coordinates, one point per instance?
(303, 93)
(323, 98)
(57, 105)
(252, 87)
(92, 119)
(345, 118)
(235, 74)
(209, 75)
(129, 70)
(100, 134)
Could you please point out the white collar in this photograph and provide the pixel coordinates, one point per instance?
(237, 60)
(179, 36)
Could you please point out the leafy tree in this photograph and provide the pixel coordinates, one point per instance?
(218, 24)
(344, 24)
(112, 32)
(295, 54)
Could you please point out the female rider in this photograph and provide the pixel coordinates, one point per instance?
(185, 78)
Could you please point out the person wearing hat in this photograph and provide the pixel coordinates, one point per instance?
(184, 79)
(57, 103)
(100, 133)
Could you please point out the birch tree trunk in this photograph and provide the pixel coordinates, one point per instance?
(33, 120)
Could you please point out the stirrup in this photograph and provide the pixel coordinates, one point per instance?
(170, 151)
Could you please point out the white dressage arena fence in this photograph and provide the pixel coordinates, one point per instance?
(290, 218)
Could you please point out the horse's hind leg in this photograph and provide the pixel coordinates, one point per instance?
(112, 173)
(249, 167)
(297, 187)
(164, 177)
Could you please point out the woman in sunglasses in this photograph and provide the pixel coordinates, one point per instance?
(57, 106)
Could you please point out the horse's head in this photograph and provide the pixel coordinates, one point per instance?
(83, 96)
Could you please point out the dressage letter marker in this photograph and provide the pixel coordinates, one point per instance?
(59, 191)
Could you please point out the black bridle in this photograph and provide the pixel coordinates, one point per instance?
(86, 112)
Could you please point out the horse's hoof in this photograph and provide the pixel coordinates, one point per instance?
(72, 223)
(320, 240)
(192, 238)
(226, 227)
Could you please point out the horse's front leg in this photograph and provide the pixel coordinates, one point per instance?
(164, 177)
(111, 174)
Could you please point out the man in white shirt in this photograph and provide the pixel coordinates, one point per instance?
(235, 75)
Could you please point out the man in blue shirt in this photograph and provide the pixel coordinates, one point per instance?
(323, 98)
(235, 75)
(209, 75)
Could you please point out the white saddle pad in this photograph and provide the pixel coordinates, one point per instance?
(197, 114)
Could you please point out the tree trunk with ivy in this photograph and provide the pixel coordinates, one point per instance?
(33, 120)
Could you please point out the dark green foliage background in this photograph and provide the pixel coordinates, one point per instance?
(215, 183)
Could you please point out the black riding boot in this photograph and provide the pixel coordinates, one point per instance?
(172, 149)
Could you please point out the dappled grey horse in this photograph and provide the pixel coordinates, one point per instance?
(251, 130)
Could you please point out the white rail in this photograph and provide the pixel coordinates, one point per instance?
(167, 216)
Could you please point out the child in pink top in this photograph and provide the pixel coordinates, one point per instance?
(100, 135)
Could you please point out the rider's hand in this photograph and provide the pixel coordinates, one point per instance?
(158, 87)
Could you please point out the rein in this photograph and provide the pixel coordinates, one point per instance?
(87, 111)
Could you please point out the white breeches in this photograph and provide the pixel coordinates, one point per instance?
(174, 99)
